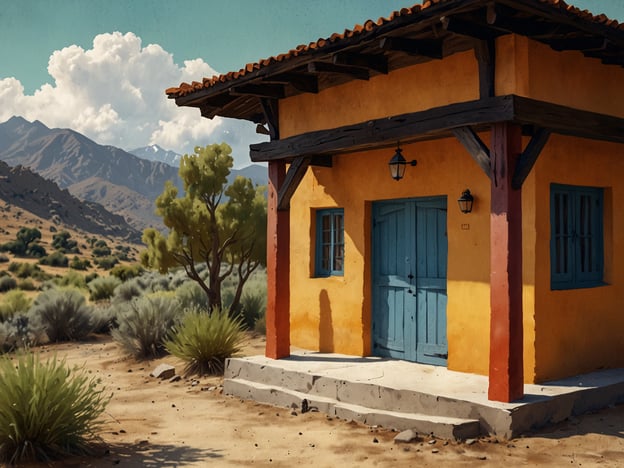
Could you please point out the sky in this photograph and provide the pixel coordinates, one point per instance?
(101, 67)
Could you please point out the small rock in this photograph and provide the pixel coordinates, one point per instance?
(470, 441)
(163, 371)
(406, 437)
(175, 378)
(435, 451)
(293, 413)
(432, 442)
(375, 440)
(194, 383)
(482, 457)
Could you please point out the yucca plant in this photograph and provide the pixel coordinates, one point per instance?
(205, 340)
(63, 314)
(47, 410)
(144, 325)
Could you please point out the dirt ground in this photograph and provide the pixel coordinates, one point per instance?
(190, 423)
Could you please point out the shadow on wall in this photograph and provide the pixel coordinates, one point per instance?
(326, 328)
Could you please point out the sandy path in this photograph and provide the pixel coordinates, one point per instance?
(150, 423)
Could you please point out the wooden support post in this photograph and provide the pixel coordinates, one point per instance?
(278, 268)
(506, 379)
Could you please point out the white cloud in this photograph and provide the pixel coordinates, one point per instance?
(114, 94)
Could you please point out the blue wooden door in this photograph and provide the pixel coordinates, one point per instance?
(409, 280)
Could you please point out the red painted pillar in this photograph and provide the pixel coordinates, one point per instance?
(506, 380)
(278, 268)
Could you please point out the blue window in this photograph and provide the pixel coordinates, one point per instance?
(576, 242)
(330, 242)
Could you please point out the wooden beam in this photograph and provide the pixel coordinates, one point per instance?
(295, 174)
(529, 157)
(270, 109)
(324, 67)
(278, 268)
(431, 48)
(262, 130)
(506, 381)
(377, 63)
(325, 160)
(300, 81)
(439, 121)
(475, 146)
(583, 44)
(385, 131)
(485, 51)
(274, 91)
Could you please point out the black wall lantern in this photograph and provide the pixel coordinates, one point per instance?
(398, 164)
(465, 201)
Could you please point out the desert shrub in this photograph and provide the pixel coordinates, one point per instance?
(103, 288)
(36, 251)
(7, 283)
(28, 270)
(63, 243)
(15, 247)
(144, 325)
(260, 325)
(4, 258)
(20, 332)
(123, 253)
(103, 318)
(106, 263)
(100, 249)
(126, 272)
(91, 276)
(47, 410)
(252, 308)
(72, 279)
(63, 314)
(55, 259)
(205, 340)
(13, 303)
(78, 263)
(26, 285)
(127, 291)
(191, 295)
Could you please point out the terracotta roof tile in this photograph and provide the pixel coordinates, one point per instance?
(184, 88)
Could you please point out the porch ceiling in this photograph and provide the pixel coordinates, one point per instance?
(413, 35)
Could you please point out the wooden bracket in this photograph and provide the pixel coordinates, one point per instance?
(273, 91)
(528, 157)
(377, 63)
(325, 67)
(475, 146)
(294, 175)
(425, 47)
(270, 109)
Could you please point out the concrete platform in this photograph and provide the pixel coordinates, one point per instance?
(404, 395)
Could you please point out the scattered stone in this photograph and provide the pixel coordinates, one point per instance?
(470, 441)
(432, 442)
(293, 413)
(175, 378)
(129, 370)
(406, 437)
(122, 431)
(435, 451)
(482, 457)
(194, 383)
(375, 440)
(163, 371)
(173, 405)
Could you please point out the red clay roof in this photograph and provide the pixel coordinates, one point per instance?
(185, 88)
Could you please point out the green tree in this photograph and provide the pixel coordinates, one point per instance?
(62, 241)
(228, 236)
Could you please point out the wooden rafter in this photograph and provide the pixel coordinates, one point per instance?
(431, 48)
(324, 67)
(300, 81)
(377, 63)
(294, 175)
(268, 90)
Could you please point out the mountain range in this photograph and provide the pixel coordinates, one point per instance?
(125, 184)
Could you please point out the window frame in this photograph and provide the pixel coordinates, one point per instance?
(569, 242)
(320, 270)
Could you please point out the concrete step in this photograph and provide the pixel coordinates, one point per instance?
(366, 394)
(440, 426)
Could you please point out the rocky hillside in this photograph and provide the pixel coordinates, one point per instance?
(20, 187)
(123, 183)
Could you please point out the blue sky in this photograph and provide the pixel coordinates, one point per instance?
(53, 69)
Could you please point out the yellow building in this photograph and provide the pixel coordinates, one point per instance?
(516, 108)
